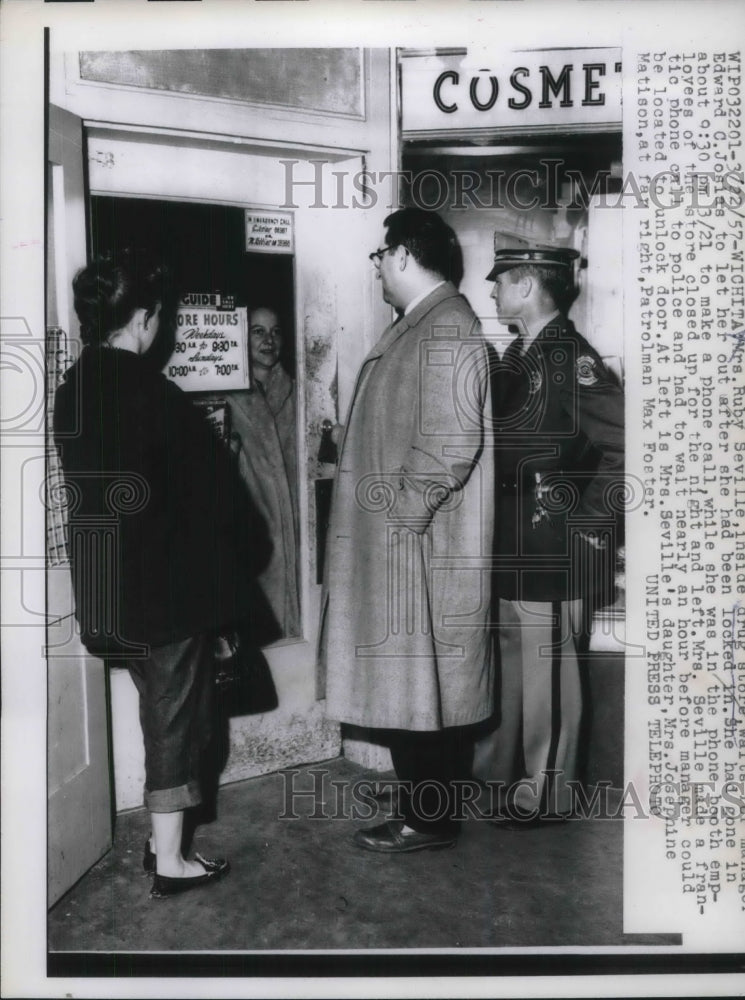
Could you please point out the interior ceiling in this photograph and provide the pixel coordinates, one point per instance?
(584, 153)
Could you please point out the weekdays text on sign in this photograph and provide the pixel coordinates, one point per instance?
(211, 350)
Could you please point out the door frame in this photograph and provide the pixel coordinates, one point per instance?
(293, 661)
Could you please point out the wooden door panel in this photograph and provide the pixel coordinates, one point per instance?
(79, 827)
(79, 794)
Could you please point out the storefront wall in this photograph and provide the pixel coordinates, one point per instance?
(240, 148)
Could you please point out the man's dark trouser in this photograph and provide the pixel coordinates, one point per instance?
(431, 761)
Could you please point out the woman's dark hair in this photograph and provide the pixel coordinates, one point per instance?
(113, 286)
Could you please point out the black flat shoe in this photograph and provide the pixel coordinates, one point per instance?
(149, 864)
(165, 885)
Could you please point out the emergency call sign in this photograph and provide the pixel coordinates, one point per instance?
(269, 232)
(211, 350)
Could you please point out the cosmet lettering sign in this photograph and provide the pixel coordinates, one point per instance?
(542, 90)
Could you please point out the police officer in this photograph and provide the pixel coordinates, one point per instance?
(559, 448)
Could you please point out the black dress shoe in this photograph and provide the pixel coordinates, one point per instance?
(390, 838)
(166, 885)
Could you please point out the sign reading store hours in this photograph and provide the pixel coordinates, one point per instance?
(211, 350)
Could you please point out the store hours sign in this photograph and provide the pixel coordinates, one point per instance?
(211, 351)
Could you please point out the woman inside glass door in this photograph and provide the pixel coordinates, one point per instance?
(263, 419)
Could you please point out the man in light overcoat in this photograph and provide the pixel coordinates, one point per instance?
(405, 629)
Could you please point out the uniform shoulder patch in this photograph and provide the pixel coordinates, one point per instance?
(586, 370)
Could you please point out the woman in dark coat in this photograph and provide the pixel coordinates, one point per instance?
(157, 535)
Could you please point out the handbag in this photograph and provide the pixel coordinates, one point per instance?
(243, 678)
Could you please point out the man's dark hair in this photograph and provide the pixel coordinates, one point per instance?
(555, 280)
(429, 240)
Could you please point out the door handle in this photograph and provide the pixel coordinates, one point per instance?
(327, 451)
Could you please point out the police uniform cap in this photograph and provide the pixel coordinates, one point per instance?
(556, 256)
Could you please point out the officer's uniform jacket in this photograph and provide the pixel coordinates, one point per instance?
(559, 447)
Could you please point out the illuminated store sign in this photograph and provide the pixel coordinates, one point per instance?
(542, 90)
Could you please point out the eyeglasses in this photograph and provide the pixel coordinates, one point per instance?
(377, 255)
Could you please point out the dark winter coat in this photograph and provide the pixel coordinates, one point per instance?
(159, 523)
